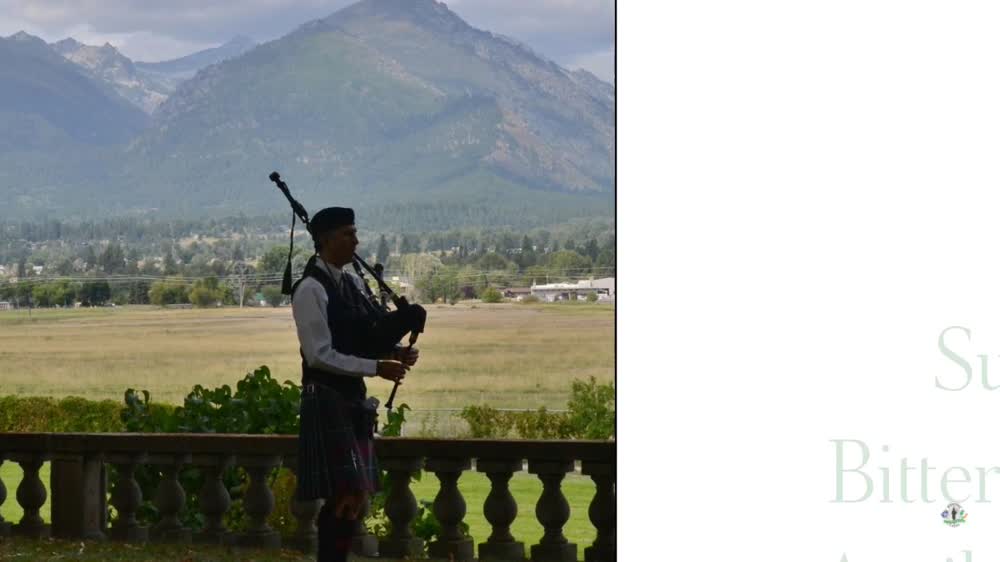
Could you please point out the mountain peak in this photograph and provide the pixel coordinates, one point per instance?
(23, 40)
(428, 13)
(67, 44)
(26, 37)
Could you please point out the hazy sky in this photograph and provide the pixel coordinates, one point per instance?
(574, 33)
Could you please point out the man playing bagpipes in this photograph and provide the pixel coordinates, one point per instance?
(345, 336)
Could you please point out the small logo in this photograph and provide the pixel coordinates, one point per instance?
(954, 515)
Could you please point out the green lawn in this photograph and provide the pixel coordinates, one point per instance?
(474, 486)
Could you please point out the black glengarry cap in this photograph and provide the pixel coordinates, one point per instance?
(329, 219)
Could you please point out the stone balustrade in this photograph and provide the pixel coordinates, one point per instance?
(79, 493)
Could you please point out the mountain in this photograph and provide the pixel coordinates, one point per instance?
(108, 64)
(396, 107)
(175, 71)
(388, 99)
(47, 102)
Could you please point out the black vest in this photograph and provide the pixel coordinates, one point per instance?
(351, 317)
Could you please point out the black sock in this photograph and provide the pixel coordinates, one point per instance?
(335, 536)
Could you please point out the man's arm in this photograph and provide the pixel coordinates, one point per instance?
(309, 311)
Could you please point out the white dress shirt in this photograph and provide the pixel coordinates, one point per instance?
(309, 310)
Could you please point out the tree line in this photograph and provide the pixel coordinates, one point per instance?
(216, 268)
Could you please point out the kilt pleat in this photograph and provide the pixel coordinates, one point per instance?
(336, 447)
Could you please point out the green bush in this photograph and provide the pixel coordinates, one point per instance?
(530, 299)
(171, 291)
(592, 409)
(272, 295)
(491, 295)
(30, 414)
(591, 415)
(488, 423)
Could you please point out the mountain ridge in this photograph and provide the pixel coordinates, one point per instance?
(384, 101)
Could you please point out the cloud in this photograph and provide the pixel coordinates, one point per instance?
(563, 30)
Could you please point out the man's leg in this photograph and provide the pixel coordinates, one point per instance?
(336, 526)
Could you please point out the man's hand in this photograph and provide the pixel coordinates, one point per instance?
(407, 356)
(391, 370)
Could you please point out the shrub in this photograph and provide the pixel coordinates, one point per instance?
(530, 299)
(592, 409)
(30, 414)
(172, 291)
(202, 297)
(591, 297)
(488, 423)
(491, 295)
(272, 295)
(590, 415)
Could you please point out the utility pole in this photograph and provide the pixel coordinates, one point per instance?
(241, 269)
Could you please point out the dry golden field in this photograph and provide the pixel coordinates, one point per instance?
(505, 355)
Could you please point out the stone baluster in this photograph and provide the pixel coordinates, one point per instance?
(78, 496)
(127, 497)
(401, 509)
(305, 512)
(449, 508)
(213, 498)
(500, 509)
(259, 502)
(552, 511)
(602, 512)
(31, 495)
(170, 499)
(4, 525)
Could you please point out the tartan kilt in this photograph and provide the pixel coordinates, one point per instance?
(336, 446)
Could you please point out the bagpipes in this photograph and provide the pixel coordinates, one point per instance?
(407, 317)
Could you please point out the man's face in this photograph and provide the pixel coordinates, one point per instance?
(340, 244)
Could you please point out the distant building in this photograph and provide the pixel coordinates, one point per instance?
(517, 293)
(4, 305)
(37, 269)
(550, 292)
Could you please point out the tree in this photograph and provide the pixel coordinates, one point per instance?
(382, 253)
(41, 294)
(492, 262)
(88, 256)
(275, 259)
(203, 297)
(441, 283)
(63, 267)
(272, 295)
(409, 245)
(567, 263)
(112, 259)
(206, 292)
(415, 266)
(169, 263)
(132, 257)
(491, 295)
(605, 263)
(94, 293)
(168, 291)
(591, 250)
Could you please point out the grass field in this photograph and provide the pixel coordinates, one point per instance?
(506, 355)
